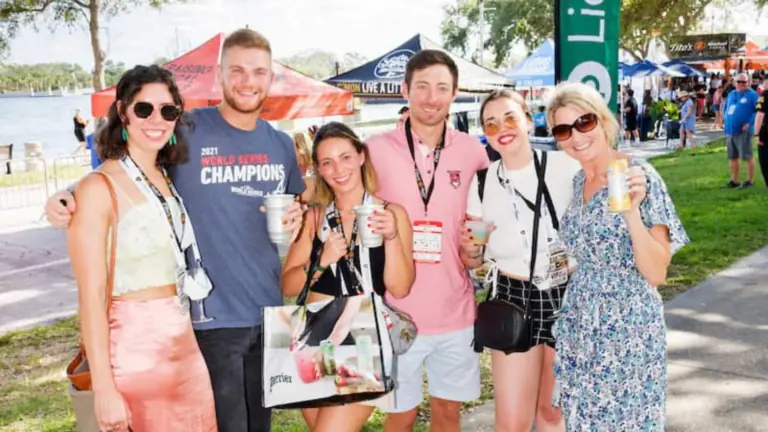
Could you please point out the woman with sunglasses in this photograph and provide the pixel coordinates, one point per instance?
(611, 337)
(146, 368)
(523, 382)
(344, 179)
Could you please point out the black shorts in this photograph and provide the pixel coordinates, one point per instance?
(544, 304)
(80, 135)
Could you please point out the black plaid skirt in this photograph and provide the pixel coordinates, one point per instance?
(544, 304)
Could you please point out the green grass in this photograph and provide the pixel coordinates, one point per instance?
(724, 225)
(29, 178)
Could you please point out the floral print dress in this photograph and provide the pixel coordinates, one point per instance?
(611, 350)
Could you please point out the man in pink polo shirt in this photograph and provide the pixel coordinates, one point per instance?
(427, 167)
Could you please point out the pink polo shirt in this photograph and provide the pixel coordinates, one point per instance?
(442, 299)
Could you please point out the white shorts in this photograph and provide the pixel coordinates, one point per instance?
(453, 370)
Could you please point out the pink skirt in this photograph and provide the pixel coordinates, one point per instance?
(158, 367)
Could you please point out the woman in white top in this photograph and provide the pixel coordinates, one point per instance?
(523, 382)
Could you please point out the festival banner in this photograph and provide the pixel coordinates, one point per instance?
(587, 44)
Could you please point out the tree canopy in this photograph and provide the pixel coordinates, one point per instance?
(531, 21)
(17, 14)
(42, 77)
(322, 64)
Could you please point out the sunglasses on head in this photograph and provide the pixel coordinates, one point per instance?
(583, 124)
(493, 127)
(168, 112)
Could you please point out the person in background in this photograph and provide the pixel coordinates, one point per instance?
(80, 125)
(346, 179)
(717, 101)
(687, 120)
(630, 112)
(740, 109)
(611, 355)
(523, 383)
(304, 159)
(147, 370)
(231, 227)
(540, 122)
(426, 167)
(761, 126)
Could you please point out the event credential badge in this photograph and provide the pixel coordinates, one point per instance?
(427, 241)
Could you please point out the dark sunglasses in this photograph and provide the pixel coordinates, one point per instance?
(168, 112)
(583, 124)
(493, 127)
(741, 82)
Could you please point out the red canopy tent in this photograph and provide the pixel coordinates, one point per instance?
(754, 58)
(291, 96)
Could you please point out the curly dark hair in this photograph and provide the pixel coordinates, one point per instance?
(109, 141)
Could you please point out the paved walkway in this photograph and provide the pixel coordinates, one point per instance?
(718, 354)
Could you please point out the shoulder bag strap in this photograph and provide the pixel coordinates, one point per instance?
(535, 236)
(481, 182)
(547, 197)
(313, 261)
(112, 247)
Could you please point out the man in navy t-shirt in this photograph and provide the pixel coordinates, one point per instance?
(236, 159)
(740, 109)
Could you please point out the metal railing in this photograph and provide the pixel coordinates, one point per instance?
(32, 180)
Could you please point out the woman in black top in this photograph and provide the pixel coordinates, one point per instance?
(344, 179)
(80, 125)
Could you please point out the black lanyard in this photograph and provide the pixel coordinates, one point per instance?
(162, 200)
(426, 194)
(347, 270)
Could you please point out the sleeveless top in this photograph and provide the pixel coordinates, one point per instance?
(330, 281)
(145, 256)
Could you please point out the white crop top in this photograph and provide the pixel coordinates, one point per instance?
(145, 256)
(505, 245)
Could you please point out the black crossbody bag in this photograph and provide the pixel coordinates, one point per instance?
(502, 325)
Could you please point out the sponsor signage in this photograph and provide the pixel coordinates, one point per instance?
(709, 47)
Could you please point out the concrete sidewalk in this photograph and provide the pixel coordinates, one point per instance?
(718, 354)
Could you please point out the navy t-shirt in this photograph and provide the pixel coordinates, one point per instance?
(223, 184)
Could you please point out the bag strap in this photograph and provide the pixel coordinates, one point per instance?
(313, 261)
(547, 196)
(481, 182)
(535, 234)
(112, 247)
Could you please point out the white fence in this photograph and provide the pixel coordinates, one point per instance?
(32, 180)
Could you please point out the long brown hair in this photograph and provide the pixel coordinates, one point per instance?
(109, 139)
(323, 194)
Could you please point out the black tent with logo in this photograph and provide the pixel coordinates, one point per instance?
(381, 77)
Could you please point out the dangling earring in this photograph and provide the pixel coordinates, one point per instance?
(172, 141)
(125, 135)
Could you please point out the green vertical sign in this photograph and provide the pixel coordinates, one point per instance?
(587, 46)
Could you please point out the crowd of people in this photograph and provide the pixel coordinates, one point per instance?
(596, 355)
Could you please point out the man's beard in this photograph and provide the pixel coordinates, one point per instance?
(235, 105)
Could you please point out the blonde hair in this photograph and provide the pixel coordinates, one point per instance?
(323, 194)
(303, 155)
(246, 38)
(586, 99)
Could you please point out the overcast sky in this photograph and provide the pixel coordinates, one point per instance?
(370, 27)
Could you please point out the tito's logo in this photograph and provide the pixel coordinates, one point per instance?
(393, 65)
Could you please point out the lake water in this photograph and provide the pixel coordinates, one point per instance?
(48, 120)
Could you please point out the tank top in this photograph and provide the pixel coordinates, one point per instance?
(331, 280)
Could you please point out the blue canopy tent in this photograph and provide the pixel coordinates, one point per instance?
(647, 68)
(538, 70)
(381, 77)
(683, 68)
